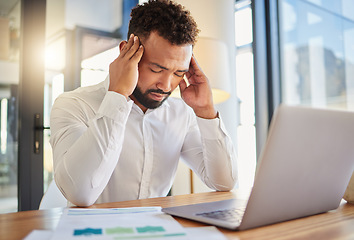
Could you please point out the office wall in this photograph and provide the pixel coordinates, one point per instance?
(94, 14)
(104, 15)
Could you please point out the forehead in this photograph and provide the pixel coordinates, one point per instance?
(161, 51)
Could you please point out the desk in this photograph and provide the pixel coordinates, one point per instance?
(336, 224)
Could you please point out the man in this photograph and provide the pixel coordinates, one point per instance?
(122, 139)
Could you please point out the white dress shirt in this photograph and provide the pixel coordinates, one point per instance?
(107, 149)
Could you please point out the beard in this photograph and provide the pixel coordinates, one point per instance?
(147, 102)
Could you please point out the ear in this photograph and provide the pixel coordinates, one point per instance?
(122, 44)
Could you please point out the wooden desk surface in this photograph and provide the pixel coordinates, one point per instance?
(337, 224)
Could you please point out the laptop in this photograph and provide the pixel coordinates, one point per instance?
(303, 170)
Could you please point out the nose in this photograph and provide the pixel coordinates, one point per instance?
(164, 83)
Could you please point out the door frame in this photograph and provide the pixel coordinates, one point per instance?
(31, 94)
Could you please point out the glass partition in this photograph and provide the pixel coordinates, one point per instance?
(9, 80)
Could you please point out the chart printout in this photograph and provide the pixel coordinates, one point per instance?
(118, 223)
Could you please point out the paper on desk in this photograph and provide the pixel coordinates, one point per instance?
(118, 223)
(195, 233)
(39, 235)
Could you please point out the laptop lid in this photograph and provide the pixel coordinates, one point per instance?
(303, 170)
(305, 166)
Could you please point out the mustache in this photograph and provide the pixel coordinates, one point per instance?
(159, 91)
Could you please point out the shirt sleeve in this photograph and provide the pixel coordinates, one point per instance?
(86, 149)
(209, 152)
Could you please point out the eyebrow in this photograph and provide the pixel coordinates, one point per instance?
(165, 68)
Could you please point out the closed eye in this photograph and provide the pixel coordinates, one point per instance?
(155, 71)
(179, 75)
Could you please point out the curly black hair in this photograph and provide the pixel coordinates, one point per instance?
(170, 20)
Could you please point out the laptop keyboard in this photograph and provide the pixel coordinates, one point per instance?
(229, 215)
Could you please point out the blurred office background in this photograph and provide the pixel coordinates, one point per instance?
(299, 52)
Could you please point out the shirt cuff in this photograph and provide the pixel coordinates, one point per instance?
(211, 128)
(115, 106)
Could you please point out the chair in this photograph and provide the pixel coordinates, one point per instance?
(52, 198)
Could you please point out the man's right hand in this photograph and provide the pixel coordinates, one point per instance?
(123, 71)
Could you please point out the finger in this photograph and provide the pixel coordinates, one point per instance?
(194, 63)
(190, 71)
(188, 75)
(182, 86)
(138, 54)
(196, 73)
(195, 67)
(130, 53)
(128, 45)
(191, 76)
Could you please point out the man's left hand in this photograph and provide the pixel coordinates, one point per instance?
(198, 94)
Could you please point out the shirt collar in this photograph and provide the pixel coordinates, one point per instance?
(106, 83)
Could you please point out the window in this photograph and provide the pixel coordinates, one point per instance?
(10, 25)
(246, 139)
(317, 52)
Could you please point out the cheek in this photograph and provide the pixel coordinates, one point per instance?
(175, 82)
(146, 78)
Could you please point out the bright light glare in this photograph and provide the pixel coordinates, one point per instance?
(55, 55)
(243, 27)
(95, 69)
(246, 131)
(3, 125)
(57, 86)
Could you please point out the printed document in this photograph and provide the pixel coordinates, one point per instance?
(118, 223)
